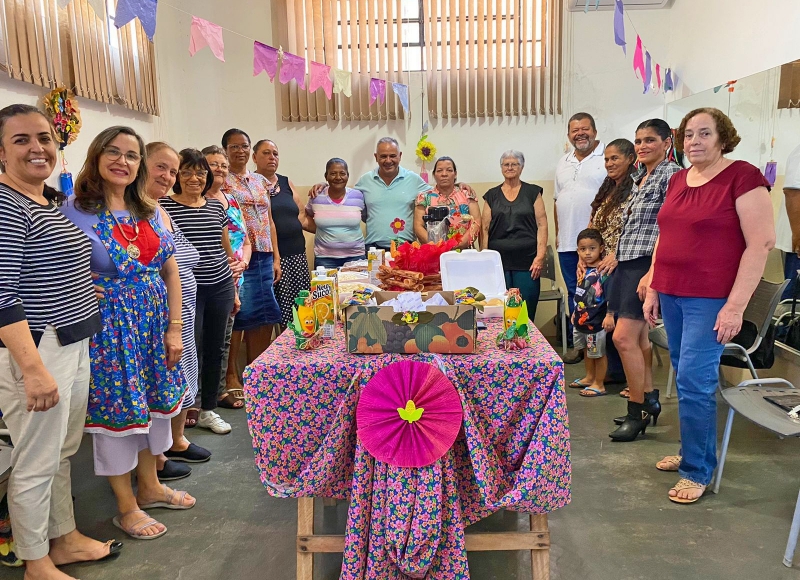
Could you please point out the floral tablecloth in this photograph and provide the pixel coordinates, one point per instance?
(513, 452)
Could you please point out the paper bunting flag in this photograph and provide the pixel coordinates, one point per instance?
(596, 6)
(265, 58)
(771, 172)
(99, 6)
(293, 67)
(619, 26)
(144, 10)
(401, 91)
(638, 58)
(320, 76)
(658, 78)
(668, 85)
(205, 33)
(377, 90)
(648, 73)
(342, 82)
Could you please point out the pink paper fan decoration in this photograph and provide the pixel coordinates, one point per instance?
(409, 414)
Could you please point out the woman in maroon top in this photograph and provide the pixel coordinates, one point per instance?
(716, 229)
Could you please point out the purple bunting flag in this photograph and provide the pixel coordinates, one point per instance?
(377, 90)
(401, 91)
(668, 85)
(320, 76)
(619, 26)
(293, 67)
(648, 73)
(771, 172)
(265, 59)
(144, 10)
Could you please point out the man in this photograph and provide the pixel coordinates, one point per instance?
(788, 228)
(579, 175)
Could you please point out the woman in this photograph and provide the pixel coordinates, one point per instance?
(162, 169)
(464, 216)
(335, 216)
(136, 383)
(634, 255)
(290, 221)
(514, 223)
(44, 347)
(230, 386)
(716, 229)
(260, 310)
(607, 218)
(205, 225)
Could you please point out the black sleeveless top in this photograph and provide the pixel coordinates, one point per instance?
(513, 230)
(287, 226)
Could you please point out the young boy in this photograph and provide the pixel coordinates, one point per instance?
(590, 314)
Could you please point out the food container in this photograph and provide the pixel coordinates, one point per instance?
(482, 270)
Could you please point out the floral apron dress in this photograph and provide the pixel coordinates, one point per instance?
(130, 381)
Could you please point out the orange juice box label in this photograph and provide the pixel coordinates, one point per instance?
(323, 295)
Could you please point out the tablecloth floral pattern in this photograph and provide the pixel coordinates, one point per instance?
(513, 452)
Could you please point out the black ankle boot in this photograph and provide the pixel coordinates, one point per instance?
(635, 422)
(652, 406)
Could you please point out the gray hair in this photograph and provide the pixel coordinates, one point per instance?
(389, 140)
(514, 154)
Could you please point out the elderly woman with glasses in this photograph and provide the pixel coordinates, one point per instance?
(205, 224)
(515, 224)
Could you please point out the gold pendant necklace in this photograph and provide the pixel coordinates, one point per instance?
(132, 249)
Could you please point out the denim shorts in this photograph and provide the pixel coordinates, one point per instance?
(257, 294)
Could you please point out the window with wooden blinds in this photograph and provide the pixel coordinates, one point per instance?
(789, 90)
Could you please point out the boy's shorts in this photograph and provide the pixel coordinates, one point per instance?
(595, 344)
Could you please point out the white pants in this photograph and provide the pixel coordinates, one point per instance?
(40, 490)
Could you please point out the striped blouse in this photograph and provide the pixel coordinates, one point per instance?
(45, 275)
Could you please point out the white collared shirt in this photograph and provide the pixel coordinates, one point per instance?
(783, 231)
(577, 184)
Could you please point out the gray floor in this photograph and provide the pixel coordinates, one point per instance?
(619, 526)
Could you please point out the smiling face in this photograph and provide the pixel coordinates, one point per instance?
(266, 158)
(581, 135)
(192, 180)
(337, 176)
(28, 150)
(445, 174)
(617, 164)
(650, 148)
(388, 157)
(162, 171)
(119, 163)
(701, 142)
(219, 168)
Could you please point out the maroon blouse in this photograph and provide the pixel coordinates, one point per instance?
(701, 241)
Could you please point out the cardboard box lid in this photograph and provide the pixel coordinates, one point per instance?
(482, 270)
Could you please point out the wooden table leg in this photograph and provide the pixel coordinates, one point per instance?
(540, 559)
(305, 527)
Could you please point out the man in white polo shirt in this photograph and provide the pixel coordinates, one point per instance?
(579, 175)
(788, 228)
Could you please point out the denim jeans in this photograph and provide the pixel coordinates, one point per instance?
(695, 355)
(791, 264)
(569, 271)
(528, 288)
(335, 262)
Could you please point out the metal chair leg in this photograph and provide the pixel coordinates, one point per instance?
(725, 440)
(670, 380)
(793, 533)
(657, 354)
(563, 326)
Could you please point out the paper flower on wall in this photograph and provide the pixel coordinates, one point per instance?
(62, 109)
(426, 150)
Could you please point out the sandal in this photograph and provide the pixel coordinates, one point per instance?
(591, 392)
(134, 530)
(237, 392)
(625, 393)
(192, 415)
(682, 484)
(577, 384)
(669, 463)
(169, 501)
(230, 401)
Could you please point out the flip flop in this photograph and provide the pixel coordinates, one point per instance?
(684, 483)
(597, 393)
(230, 401)
(671, 463)
(625, 393)
(576, 384)
(169, 496)
(134, 530)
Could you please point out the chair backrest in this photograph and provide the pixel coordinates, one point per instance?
(549, 268)
(762, 305)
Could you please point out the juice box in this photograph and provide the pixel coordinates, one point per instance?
(323, 295)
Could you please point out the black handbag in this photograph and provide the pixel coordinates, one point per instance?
(787, 330)
(763, 357)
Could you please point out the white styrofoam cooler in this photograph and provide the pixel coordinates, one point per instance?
(480, 269)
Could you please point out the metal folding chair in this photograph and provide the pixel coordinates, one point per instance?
(555, 293)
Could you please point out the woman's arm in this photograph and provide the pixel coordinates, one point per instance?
(302, 217)
(486, 220)
(41, 389)
(276, 257)
(541, 237)
(475, 228)
(755, 218)
(226, 242)
(247, 251)
(165, 218)
(419, 225)
(172, 337)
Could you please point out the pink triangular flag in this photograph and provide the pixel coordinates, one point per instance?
(638, 59)
(205, 33)
(293, 67)
(320, 76)
(265, 58)
(377, 90)
(658, 78)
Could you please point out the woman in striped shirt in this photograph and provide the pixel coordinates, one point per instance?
(48, 312)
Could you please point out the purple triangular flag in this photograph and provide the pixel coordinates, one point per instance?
(320, 76)
(265, 59)
(144, 10)
(401, 91)
(377, 90)
(668, 86)
(648, 72)
(619, 26)
(293, 67)
(771, 172)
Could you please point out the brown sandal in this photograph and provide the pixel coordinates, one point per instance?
(238, 393)
(230, 401)
(192, 415)
(669, 463)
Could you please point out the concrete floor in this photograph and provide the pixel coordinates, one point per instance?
(619, 526)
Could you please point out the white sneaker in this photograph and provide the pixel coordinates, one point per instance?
(210, 420)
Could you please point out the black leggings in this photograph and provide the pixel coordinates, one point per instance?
(214, 305)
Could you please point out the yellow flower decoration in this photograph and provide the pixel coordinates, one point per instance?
(426, 150)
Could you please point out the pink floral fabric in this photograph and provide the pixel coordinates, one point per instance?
(513, 452)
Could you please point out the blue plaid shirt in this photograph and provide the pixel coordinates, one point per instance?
(639, 225)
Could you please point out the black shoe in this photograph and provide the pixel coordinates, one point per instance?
(173, 470)
(114, 548)
(652, 405)
(635, 422)
(192, 454)
(573, 356)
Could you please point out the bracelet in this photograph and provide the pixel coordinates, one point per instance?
(177, 321)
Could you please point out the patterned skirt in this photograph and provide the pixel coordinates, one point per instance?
(130, 381)
(295, 276)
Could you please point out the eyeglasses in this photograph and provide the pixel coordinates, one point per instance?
(509, 165)
(245, 147)
(187, 174)
(114, 154)
(216, 165)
